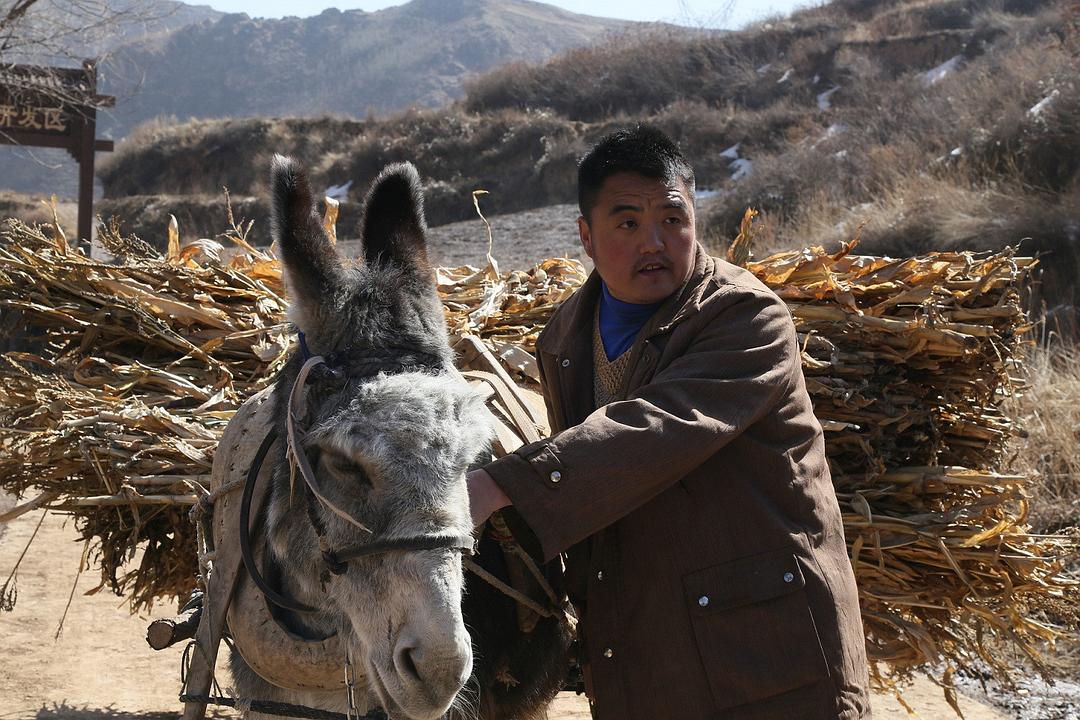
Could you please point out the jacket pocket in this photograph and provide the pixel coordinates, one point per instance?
(753, 627)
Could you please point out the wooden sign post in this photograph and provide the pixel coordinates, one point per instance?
(57, 108)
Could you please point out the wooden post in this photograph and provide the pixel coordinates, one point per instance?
(87, 132)
(86, 184)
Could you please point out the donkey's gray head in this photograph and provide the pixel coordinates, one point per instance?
(388, 444)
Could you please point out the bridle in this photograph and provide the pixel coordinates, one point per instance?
(314, 369)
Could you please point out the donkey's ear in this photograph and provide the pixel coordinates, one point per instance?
(394, 230)
(312, 266)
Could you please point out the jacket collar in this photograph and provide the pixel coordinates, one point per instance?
(574, 326)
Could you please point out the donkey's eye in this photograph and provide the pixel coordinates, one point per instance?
(346, 469)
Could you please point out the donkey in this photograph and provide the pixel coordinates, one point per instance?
(391, 430)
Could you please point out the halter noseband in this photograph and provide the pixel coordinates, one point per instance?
(336, 560)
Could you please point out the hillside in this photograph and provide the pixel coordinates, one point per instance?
(937, 123)
(197, 63)
(350, 63)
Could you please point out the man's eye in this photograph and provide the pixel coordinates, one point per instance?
(629, 224)
(674, 220)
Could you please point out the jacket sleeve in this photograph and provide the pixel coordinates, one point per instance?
(739, 367)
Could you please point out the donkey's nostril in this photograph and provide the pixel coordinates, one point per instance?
(405, 660)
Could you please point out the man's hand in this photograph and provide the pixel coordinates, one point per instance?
(485, 497)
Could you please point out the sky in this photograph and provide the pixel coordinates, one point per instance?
(730, 14)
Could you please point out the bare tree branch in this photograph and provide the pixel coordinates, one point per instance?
(62, 33)
(16, 12)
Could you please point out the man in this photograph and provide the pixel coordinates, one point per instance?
(686, 478)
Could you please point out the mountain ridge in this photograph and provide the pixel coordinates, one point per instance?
(351, 62)
(348, 63)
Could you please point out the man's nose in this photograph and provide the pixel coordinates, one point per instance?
(654, 240)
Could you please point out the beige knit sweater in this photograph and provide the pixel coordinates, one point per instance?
(607, 374)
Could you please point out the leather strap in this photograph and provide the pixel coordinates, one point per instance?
(510, 401)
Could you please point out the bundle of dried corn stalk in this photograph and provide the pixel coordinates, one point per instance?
(907, 362)
(136, 368)
(128, 373)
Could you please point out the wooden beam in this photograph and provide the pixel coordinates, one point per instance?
(43, 499)
(166, 632)
(38, 139)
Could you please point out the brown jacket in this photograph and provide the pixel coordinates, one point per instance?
(699, 509)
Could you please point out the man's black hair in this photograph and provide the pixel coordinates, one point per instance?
(642, 149)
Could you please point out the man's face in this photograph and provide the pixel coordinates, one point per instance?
(641, 237)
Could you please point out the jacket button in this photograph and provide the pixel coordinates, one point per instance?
(608, 652)
(566, 362)
(600, 575)
(789, 577)
(555, 476)
(703, 601)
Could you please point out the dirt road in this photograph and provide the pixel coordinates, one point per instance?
(100, 667)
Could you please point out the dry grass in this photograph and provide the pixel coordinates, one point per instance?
(964, 163)
(526, 159)
(36, 209)
(1048, 407)
(641, 73)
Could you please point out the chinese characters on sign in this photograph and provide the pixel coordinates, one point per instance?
(50, 119)
(56, 107)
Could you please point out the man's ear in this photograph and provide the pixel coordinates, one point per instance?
(585, 234)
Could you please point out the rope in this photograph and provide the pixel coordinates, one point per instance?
(280, 709)
(223, 489)
(198, 514)
(508, 590)
(506, 540)
(9, 597)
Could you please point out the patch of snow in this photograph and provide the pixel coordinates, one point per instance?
(840, 154)
(817, 79)
(786, 76)
(706, 193)
(764, 68)
(942, 71)
(1038, 108)
(823, 99)
(953, 154)
(1073, 230)
(338, 192)
(741, 169)
(834, 130)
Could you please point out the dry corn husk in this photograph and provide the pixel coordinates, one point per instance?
(116, 416)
